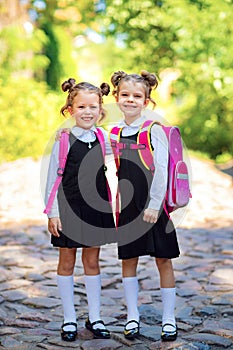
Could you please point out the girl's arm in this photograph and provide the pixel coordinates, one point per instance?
(159, 182)
(54, 224)
(51, 178)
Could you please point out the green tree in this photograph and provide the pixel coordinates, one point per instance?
(61, 21)
(51, 51)
(207, 75)
(195, 38)
(20, 52)
(30, 116)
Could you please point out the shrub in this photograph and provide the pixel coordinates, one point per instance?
(29, 117)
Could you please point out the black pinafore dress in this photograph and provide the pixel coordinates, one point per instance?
(84, 208)
(135, 236)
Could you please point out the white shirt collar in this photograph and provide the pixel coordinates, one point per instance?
(135, 124)
(79, 132)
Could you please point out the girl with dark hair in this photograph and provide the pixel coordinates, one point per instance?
(144, 226)
(81, 215)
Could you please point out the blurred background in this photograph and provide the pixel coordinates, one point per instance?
(187, 43)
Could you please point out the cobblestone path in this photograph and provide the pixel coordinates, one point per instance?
(30, 310)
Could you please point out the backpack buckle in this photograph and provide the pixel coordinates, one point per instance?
(152, 168)
(114, 144)
(60, 172)
(137, 146)
(119, 147)
(130, 146)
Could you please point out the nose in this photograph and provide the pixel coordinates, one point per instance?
(87, 110)
(130, 98)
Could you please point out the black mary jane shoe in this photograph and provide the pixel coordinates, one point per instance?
(133, 332)
(69, 335)
(97, 332)
(169, 335)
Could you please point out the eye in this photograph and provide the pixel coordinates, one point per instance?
(124, 94)
(138, 96)
(94, 107)
(80, 107)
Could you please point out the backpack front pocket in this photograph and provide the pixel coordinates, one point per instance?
(181, 184)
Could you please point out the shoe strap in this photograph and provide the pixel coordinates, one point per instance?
(96, 322)
(69, 324)
(131, 321)
(169, 324)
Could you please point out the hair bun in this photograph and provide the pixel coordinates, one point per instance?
(150, 78)
(117, 76)
(105, 89)
(68, 84)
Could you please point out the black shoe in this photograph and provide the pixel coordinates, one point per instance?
(69, 335)
(169, 335)
(133, 332)
(97, 332)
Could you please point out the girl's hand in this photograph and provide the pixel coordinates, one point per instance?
(59, 131)
(54, 224)
(150, 215)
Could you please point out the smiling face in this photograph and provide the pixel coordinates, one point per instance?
(85, 109)
(131, 100)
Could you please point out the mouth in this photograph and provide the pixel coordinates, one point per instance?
(87, 119)
(130, 106)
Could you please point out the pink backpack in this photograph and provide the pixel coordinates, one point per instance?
(63, 152)
(178, 189)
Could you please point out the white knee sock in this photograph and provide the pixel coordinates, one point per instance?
(66, 291)
(130, 285)
(169, 300)
(93, 290)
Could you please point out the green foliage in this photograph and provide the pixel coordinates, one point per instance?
(58, 50)
(51, 51)
(146, 27)
(193, 38)
(204, 87)
(224, 158)
(20, 52)
(29, 117)
(66, 59)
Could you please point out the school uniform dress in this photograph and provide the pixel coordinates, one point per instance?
(140, 190)
(82, 202)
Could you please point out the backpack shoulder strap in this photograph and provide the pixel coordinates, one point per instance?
(114, 136)
(100, 137)
(63, 151)
(146, 153)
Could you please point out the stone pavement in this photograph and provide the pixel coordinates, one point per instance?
(30, 310)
